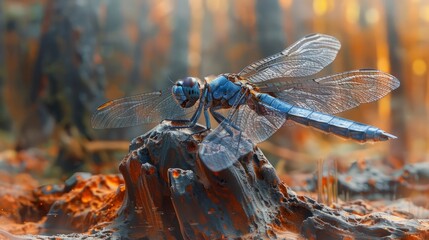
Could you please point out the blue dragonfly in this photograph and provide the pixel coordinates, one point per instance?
(261, 98)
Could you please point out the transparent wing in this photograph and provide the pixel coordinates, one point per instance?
(237, 135)
(139, 109)
(258, 126)
(224, 146)
(335, 93)
(303, 58)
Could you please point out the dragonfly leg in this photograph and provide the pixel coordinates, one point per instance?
(188, 123)
(208, 125)
(198, 132)
(224, 122)
(207, 118)
(220, 118)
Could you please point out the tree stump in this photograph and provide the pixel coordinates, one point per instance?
(170, 194)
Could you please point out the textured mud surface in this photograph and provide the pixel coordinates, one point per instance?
(165, 192)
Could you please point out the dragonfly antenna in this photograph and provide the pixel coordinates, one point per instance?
(170, 79)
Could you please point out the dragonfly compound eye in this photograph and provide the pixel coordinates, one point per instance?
(178, 94)
(191, 89)
(186, 92)
(190, 82)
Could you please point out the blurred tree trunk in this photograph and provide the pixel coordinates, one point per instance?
(68, 65)
(398, 146)
(68, 61)
(180, 39)
(269, 27)
(4, 121)
(301, 26)
(116, 53)
(240, 39)
(271, 40)
(24, 115)
(144, 31)
(208, 63)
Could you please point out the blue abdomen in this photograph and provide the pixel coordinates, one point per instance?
(327, 123)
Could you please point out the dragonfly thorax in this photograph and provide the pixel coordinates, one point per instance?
(186, 92)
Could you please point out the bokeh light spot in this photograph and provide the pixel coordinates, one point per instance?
(419, 67)
(320, 7)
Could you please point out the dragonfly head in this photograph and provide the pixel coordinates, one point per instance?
(186, 91)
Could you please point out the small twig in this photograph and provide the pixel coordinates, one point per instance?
(96, 146)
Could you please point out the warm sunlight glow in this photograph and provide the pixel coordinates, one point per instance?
(215, 6)
(424, 14)
(419, 67)
(285, 3)
(372, 16)
(383, 64)
(352, 11)
(384, 108)
(320, 7)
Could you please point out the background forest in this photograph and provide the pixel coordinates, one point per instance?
(60, 59)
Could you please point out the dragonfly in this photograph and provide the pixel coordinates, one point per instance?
(260, 99)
